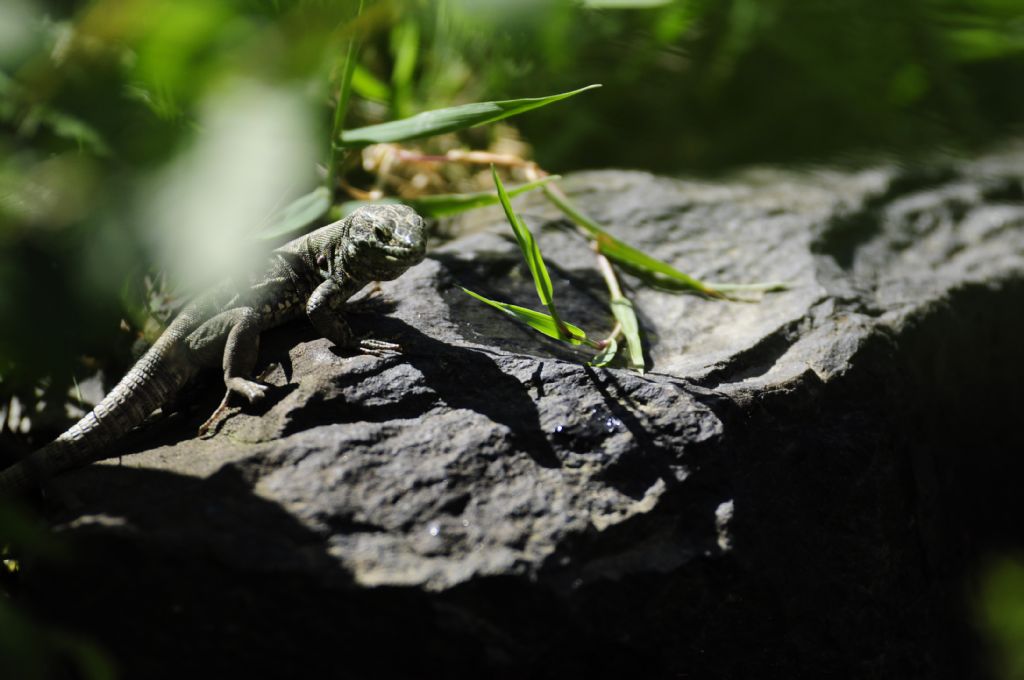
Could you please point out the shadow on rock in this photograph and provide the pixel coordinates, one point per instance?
(471, 379)
(180, 577)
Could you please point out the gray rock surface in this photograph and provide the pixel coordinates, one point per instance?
(800, 484)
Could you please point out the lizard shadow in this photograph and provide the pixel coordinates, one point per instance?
(467, 379)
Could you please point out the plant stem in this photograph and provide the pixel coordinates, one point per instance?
(561, 201)
(610, 279)
(341, 108)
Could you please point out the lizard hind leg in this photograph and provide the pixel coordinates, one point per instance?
(240, 352)
(233, 337)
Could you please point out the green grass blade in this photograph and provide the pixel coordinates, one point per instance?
(605, 356)
(297, 215)
(629, 256)
(341, 108)
(537, 320)
(761, 287)
(531, 251)
(443, 205)
(624, 313)
(450, 119)
(643, 264)
(563, 203)
(624, 253)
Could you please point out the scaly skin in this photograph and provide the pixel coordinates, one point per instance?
(314, 274)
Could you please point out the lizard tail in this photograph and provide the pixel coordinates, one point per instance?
(148, 385)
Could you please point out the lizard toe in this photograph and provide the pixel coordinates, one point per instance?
(380, 348)
(253, 392)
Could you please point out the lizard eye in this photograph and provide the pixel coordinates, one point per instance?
(380, 233)
(321, 260)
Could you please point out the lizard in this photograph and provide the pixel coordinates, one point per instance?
(311, 275)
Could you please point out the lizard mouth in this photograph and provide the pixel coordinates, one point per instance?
(399, 253)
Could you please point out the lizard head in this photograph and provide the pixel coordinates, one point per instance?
(382, 242)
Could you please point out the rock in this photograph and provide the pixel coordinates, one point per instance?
(798, 486)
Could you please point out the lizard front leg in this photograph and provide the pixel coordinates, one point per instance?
(324, 311)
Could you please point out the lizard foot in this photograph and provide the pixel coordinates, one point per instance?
(215, 418)
(379, 348)
(253, 392)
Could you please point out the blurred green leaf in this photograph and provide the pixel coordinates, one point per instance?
(28, 649)
(67, 127)
(674, 22)
(624, 4)
(21, 645)
(17, 108)
(92, 662)
(536, 320)
(297, 215)
(439, 121)
(405, 46)
(444, 205)
(624, 313)
(20, 531)
(369, 86)
(1002, 611)
(986, 43)
(174, 45)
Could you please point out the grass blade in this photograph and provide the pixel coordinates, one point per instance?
(636, 259)
(605, 356)
(531, 251)
(624, 313)
(624, 253)
(759, 287)
(341, 108)
(537, 320)
(443, 205)
(450, 119)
